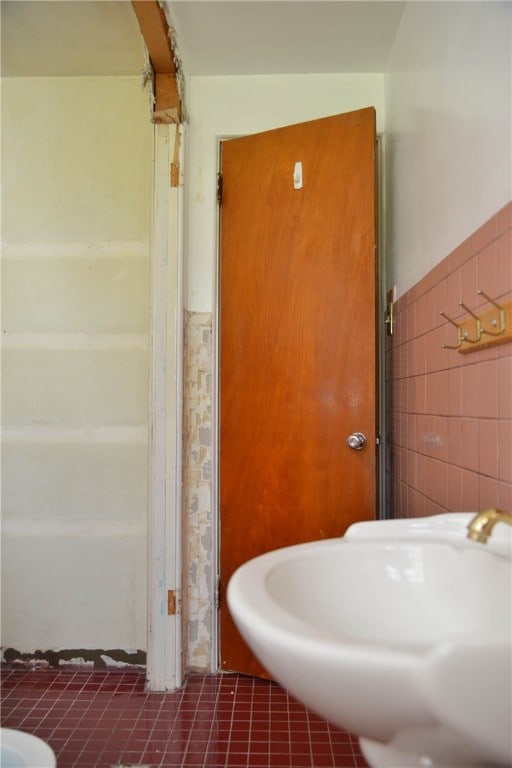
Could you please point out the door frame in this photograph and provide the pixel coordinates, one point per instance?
(382, 290)
(380, 421)
(164, 667)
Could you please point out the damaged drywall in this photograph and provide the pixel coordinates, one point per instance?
(197, 489)
(97, 658)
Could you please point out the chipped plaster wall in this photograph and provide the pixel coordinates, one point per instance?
(198, 550)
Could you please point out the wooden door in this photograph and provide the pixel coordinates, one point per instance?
(298, 358)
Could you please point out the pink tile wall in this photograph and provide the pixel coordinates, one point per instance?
(450, 414)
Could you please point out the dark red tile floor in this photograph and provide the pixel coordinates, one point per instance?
(103, 718)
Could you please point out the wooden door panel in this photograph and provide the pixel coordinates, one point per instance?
(297, 342)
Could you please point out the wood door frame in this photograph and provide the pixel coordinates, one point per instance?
(380, 421)
(164, 667)
(382, 290)
(215, 647)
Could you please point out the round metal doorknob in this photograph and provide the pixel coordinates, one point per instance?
(356, 441)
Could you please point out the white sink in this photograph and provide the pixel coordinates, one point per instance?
(399, 632)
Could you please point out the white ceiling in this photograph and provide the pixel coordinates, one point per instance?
(292, 36)
(229, 37)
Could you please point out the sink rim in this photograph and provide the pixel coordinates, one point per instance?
(447, 527)
(263, 614)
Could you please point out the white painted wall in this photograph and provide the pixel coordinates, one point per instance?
(448, 130)
(76, 181)
(220, 107)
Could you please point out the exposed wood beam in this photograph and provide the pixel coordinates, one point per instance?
(167, 99)
(155, 31)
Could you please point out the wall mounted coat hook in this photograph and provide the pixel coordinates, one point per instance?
(459, 333)
(500, 322)
(478, 326)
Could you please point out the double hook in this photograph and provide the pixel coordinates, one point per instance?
(498, 324)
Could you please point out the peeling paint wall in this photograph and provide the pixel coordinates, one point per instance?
(98, 658)
(198, 549)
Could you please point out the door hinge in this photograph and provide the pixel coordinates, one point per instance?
(171, 602)
(219, 188)
(174, 176)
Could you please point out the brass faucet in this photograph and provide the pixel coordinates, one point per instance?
(480, 527)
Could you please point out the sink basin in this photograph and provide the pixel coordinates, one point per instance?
(399, 632)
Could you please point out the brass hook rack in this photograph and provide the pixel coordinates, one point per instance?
(485, 329)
